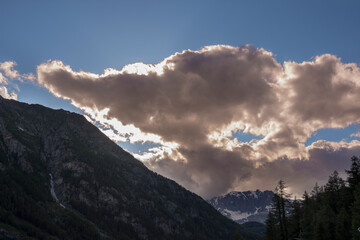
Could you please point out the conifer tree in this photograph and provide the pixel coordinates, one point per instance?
(343, 225)
(332, 191)
(325, 224)
(294, 219)
(330, 212)
(316, 190)
(319, 229)
(356, 215)
(354, 173)
(278, 213)
(283, 200)
(271, 227)
(307, 213)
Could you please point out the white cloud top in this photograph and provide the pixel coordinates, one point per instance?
(9, 72)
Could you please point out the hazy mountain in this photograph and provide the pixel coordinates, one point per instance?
(61, 178)
(244, 206)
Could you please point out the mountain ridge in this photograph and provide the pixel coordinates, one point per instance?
(244, 206)
(65, 179)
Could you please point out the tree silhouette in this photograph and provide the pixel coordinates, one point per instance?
(330, 212)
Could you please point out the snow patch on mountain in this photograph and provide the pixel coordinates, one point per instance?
(235, 215)
(244, 206)
(253, 193)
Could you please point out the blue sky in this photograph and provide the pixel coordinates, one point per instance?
(95, 35)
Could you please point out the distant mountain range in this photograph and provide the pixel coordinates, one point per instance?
(62, 178)
(242, 207)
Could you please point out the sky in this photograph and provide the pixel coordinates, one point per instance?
(216, 95)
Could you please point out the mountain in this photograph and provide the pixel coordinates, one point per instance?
(62, 178)
(244, 206)
(256, 228)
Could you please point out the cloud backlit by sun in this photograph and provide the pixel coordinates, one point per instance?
(193, 102)
(7, 72)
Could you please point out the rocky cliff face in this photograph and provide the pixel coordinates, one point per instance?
(60, 177)
(244, 206)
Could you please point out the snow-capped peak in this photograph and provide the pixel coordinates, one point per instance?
(244, 206)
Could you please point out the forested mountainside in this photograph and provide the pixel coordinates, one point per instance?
(62, 178)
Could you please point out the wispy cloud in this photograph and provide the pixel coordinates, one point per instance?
(8, 71)
(192, 102)
(355, 134)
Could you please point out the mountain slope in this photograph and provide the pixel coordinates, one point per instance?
(244, 206)
(61, 178)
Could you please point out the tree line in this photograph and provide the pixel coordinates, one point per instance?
(329, 212)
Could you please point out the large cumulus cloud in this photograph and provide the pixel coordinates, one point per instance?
(192, 102)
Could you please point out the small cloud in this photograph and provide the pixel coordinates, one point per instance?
(355, 134)
(3, 79)
(9, 71)
(5, 94)
(28, 76)
(8, 68)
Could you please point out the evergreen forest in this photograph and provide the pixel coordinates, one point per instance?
(329, 212)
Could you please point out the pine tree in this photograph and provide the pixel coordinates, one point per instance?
(330, 212)
(294, 219)
(343, 225)
(332, 191)
(319, 229)
(316, 190)
(271, 227)
(355, 218)
(354, 173)
(280, 201)
(325, 224)
(307, 213)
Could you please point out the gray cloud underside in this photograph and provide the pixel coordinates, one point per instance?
(195, 98)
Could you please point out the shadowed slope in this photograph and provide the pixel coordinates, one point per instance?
(98, 189)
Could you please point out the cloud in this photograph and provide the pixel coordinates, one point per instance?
(8, 68)
(302, 174)
(355, 134)
(192, 102)
(9, 71)
(3, 79)
(5, 94)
